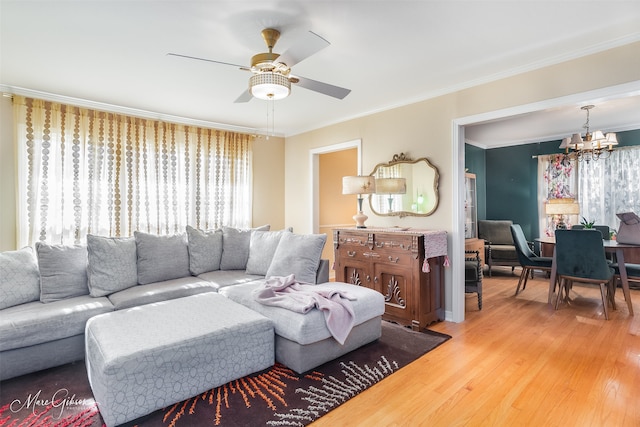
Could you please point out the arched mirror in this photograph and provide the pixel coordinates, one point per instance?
(405, 187)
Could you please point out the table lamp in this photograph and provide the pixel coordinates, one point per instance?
(562, 207)
(359, 185)
(391, 186)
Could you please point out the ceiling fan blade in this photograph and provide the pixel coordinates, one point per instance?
(204, 59)
(304, 48)
(244, 97)
(324, 88)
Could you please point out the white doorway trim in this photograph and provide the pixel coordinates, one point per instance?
(458, 161)
(314, 155)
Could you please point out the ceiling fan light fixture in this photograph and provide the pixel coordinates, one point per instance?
(269, 86)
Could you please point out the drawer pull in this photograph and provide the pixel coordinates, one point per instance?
(375, 279)
(351, 253)
(371, 255)
(380, 245)
(369, 278)
(394, 260)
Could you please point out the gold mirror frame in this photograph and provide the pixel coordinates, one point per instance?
(415, 191)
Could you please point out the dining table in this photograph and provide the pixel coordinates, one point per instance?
(547, 245)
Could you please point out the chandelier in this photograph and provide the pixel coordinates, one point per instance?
(593, 146)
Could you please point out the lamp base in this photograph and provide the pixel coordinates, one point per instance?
(360, 218)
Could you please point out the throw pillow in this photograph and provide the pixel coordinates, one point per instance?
(298, 254)
(161, 258)
(63, 271)
(262, 247)
(235, 247)
(19, 278)
(112, 264)
(205, 250)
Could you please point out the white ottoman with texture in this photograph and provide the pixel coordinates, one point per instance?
(145, 358)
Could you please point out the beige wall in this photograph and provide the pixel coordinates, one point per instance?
(425, 129)
(268, 180)
(7, 177)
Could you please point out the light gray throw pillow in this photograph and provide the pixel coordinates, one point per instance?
(161, 258)
(63, 271)
(19, 278)
(112, 264)
(262, 247)
(235, 247)
(298, 254)
(205, 250)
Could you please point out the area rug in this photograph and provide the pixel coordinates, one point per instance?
(274, 397)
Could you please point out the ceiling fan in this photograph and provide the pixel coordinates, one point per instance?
(272, 76)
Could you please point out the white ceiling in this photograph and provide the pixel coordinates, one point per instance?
(389, 53)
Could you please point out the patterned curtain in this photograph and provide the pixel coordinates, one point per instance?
(556, 180)
(83, 171)
(610, 186)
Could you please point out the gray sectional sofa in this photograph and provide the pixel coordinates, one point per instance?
(48, 293)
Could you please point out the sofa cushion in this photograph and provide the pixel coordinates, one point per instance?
(235, 247)
(309, 327)
(221, 278)
(298, 254)
(205, 250)
(112, 264)
(262, 247)
(161, 257)
(34, 323)
(497, 232)
(159, 291)
(63, 271)
(19, 277)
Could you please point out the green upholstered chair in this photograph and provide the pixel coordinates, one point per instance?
(529, 261)
(499, 248)
(473, 274)
(633, 273)
(580, 258)
(603, 229)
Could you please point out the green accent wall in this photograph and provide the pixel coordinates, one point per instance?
(507, 179)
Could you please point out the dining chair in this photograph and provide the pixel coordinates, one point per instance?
(580, 258)
(633, 273)
(529, 261)
(473, 274)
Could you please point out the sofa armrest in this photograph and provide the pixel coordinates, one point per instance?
(322, 274)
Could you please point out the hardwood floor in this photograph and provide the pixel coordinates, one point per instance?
(517, 362)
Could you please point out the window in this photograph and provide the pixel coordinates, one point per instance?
(83, 171)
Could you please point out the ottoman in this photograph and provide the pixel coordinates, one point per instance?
(145, 358)
(303, 341)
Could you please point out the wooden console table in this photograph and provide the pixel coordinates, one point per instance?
(392, 262)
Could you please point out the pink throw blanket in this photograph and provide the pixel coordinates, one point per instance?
(287, 293)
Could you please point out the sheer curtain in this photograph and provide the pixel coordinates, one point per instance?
(83, 171)
(607, 187)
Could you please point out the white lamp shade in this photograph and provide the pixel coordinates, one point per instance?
(597, 136)
(576, 139)
(562, 207)
(358, 185)
(269, 86)
(611, 139)
(391, 185)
